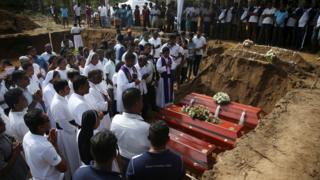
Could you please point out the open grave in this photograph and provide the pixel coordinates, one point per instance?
(279, 88)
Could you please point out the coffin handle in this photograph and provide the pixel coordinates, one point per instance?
(242, 118)
(217, 111)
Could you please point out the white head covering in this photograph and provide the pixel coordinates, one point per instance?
(89, 59)
(24, 59)
(49, 77)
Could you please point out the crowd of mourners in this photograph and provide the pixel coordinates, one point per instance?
(84, 112)
(287, 24)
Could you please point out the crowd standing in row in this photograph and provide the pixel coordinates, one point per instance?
(288, 25)
(90, 106)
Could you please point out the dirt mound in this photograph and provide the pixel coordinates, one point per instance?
(283, 146)
(248, 78)
(11, 23)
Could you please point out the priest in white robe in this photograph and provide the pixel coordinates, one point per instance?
(49, 92)
(76, 32)
(67, 130)
(127, 77)
(165, 66)
(97, 100)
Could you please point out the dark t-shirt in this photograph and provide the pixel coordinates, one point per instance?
(89, 172)
(156, 166)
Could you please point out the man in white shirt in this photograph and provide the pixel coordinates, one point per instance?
(22, 82)
(76, 103)
(155, 41)
(97, 100)
(103, 10)
(130, 128)
(47, 53)
(67, 128)
(200, 45)
(228, 19)
(254, 15)
(18, 105)
(41, 153)
(127, 77)
(302, 27)
(267, 24)
(77, 14)
(145, 73)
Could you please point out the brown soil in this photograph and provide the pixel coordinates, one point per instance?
(11, 23)
(283, 146)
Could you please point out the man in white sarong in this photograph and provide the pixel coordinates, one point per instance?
(76, 103)
(98, 100)
(67, 130)
(76, 32)
(165, 66)
(127, 77)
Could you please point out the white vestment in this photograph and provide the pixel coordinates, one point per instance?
(160, 100)
(67, 136)
(76, 31)
(96, 100)
(48, 94)
(77, 106)
(123, 84)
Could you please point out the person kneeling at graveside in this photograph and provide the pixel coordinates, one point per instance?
(103, 148)
(159, 162)
(41, 152)
(130, 128)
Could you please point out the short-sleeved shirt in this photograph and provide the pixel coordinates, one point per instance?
(89, 172)
(304, 18)
(110, 69)
(77, 10)
(281, 18)
(19, 169)
(64, 12)
(164, 165)
(199, 43)
(41, 157)
(268, 11)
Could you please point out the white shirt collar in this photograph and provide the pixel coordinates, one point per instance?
(132, 116)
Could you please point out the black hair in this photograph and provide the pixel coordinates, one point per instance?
(60, 85)
(103, 146)
(147, 44)
(120, 38)
(130, 97)
(130, 56)
(12, 97)
(51, 59)
(165, 49)
(6, 62)
(33, 119)
(158, 134)
(17, 75)
(60, 59)
(88, 122)
(72, 74)
(55, 73)
(79, 81)
(26, 65)
(119, 65)
(29, 48)
(93, 73)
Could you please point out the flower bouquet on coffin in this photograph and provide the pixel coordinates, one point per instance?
(221, 98)
(200, 112)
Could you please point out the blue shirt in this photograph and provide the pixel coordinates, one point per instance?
(89, 172)
(281, 17)
(41, 62)
(64, 12)
(120, 50)
(156, 166)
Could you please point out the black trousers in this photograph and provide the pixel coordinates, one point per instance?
(77, 20)
(278, 36)
(265, 34)
(300, 37)
(196, 64)
(194, 26)
(152, 96)
(290, 37)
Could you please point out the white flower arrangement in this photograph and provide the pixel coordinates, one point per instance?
(270, 55)
(247, 43)
(221, 98)
(200, 112)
